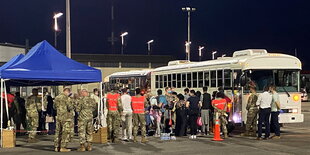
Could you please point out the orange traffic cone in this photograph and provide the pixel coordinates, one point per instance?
(217, 134)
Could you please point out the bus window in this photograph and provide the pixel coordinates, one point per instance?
(169, 80)
(200, 79)
(161, 81)
(165, 81)
(194, 79)
(189, 80)
(220, 78)
(207, 79)
(174, 80)
(286, 80)
(236, 78)
(213, 78)
(184, 80)
(179, 81)
(227, 78)
(156, 81)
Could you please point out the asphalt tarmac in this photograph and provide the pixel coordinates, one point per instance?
(295, 139)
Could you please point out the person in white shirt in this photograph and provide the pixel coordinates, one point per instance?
(275, 111)
(126, 115)
(264, 103)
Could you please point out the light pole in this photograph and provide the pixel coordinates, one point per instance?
(68, 30)
(123, 41)
(188, 10)
(187, 50)
(149, 46)
(56, 29)
(200, 52)
(213, 53)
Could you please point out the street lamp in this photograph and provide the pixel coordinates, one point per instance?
(122, 37)
(149, 46)
(188, 10)
(213, 53)
(200, 52)
(56, 29)
(68, 29)
(187, 50)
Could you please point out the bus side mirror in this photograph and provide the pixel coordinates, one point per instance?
(243, 80)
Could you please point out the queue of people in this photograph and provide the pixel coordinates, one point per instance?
(170, 112)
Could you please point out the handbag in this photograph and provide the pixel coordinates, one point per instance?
(199, 121)
(49, 119)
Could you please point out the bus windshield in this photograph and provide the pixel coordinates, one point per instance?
(284, 80)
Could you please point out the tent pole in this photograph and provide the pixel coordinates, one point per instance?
(100, 107)
(42, 100)
(6, 103)
(1, 113)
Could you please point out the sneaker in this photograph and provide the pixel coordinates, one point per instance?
(266, 138)
(194, 137)
(259, 138)
(191, 137)
(275, 137)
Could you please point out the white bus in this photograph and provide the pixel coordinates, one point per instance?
(233, 73)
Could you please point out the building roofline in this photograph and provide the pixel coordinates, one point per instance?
(12, 45)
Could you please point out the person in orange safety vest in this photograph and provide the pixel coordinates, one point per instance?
(220, 106)
(115, 109)
(138, 104)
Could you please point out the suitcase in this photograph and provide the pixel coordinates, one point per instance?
(101, 136)
(9, 138)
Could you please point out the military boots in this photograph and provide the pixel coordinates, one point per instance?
(82, 148)
(135, 139)
(89, 147)
(64, 150)
(144, 140)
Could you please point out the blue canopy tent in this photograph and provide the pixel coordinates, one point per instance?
(45, 66)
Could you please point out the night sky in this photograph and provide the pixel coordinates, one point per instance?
(222, 25)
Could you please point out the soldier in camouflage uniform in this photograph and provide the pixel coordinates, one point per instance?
(138, 104)
(86, 106)
(115, 110)
(33, 107)
(64, 106)
(251, 122)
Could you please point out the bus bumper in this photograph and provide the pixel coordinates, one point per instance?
(291, 118)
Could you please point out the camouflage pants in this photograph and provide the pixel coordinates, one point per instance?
(113, 121)
(71, 129)
(251, 122)
(223, 121)
(139, 119)
(62, 133)
(33, 125)
(86, 129)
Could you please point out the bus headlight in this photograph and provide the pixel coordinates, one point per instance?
(293, 110)
(296, 98)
